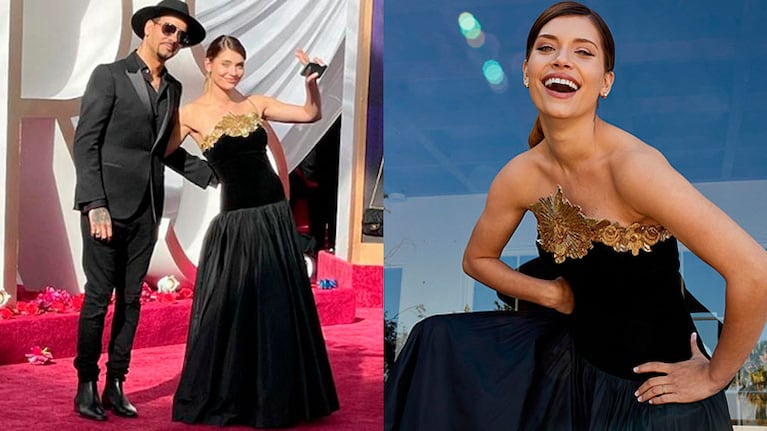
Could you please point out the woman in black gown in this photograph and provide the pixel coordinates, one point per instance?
(605, 341)
(255, 352)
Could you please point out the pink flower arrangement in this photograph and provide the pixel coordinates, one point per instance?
(39, 356)
(150, 295)
(52, 300)
(184, 293)
(24, 308)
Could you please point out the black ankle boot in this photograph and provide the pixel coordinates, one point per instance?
(114, 398)
(87, 403)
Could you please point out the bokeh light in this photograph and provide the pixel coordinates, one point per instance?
(468, 23)
(473, 33)
(475, 37)
(493, 72)
(471, 29)
(477, 42)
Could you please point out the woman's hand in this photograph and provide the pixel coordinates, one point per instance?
(566, 300)
(683, 382)
(303, 58)
(309, 112)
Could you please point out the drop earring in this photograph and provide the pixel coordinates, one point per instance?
(526, 83)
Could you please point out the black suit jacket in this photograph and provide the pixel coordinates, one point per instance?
(118, 155)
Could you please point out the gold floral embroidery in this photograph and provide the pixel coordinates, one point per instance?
(633, 238)
(565, 232)
(240, 125)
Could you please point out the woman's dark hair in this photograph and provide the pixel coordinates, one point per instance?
(224, 42)
(219, 44)
(568, 8)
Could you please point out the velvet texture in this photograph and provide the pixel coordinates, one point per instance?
(520, 371)
(366, 280)
(159, 324)
(255, 353)
(334, 306)
(629, 309)
(537, 369)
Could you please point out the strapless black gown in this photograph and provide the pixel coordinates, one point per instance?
(537, 369)
(255, 353)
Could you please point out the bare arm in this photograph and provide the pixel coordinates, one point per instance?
(275, 110)
(179, 133)
(309, 112)
(663, 194)
(506, 205)
(193, 168)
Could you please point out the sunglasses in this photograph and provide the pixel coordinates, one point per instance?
(169, 29)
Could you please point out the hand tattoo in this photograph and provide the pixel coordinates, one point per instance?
(101, 215)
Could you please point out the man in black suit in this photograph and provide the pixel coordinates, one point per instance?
(127, 113)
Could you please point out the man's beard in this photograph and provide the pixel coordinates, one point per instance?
(165, 56)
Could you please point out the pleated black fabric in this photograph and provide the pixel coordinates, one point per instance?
(537, 369)
(508, 371)
(255, 352)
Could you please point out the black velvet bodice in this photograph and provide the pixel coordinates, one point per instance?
(243, 169)
(629, 303)
(628, 309)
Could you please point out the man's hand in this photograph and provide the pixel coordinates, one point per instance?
(101, 224)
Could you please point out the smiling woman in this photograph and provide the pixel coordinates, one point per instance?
(584, 40)
(604, 338)
(251, 273)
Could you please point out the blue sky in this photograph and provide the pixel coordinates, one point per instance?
(688, 82)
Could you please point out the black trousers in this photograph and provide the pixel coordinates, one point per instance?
(117, 266)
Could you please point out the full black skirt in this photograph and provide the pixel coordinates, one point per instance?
(520, 371)
(255, 353)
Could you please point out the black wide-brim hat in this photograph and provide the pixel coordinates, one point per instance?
(176, 8)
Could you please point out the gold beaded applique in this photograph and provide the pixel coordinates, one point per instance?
(564, 231)
(238, 125)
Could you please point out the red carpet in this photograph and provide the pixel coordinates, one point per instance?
(367, 280)
(40, 397)
(159, 325)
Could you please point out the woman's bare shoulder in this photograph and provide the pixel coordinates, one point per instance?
(636, 167)
(196, 114)
(521, 181)
(260, 102)
(189, 111)
(257, 97)
(522, 164)
(197, 105)
(630, 153)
